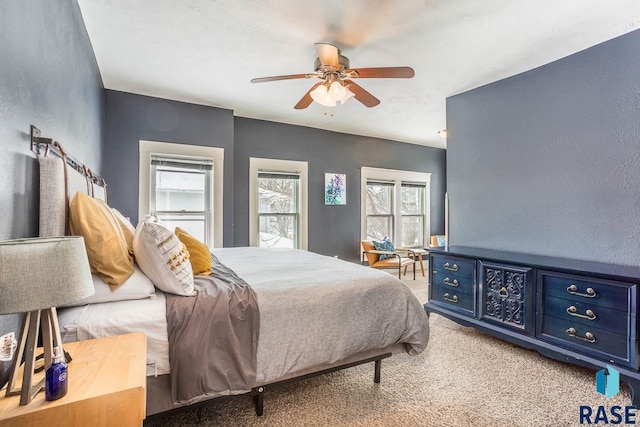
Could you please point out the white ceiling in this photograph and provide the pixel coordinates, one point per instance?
(207, 51)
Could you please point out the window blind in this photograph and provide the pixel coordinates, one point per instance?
(192, 164)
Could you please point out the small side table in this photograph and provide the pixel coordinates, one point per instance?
(419, 254)
(107, 387)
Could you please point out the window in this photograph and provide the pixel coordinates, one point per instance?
(395, 205)
(278, 203)
(182, 185)
(379, 204)
(180, 193)
(413, 217)
(278, 209)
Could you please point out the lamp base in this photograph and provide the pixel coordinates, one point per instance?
(48, 318)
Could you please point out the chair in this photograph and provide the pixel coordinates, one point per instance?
(434, 240)
(396, 259)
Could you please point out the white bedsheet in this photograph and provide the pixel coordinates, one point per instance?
(122, 317)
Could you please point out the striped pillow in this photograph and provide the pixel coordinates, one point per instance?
(163, 257)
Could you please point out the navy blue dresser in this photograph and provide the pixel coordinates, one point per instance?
(579, 312)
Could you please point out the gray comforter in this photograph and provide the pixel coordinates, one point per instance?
(213, 337)
(314, 310)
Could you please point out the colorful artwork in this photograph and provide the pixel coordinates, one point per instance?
(335, 189)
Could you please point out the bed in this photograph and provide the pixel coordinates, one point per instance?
(316, 313)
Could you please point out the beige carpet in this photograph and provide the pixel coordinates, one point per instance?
(464, 378)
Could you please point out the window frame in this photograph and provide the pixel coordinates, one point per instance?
(147, 149)
(397, 177)
(257, 165)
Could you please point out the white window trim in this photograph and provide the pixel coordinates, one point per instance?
(147, 148)
(257, 164)
(398, 176)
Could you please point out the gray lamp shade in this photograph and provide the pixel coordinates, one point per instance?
(39, 273)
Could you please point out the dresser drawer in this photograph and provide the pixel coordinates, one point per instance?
(452, 299)
(453, 282)
(598, 292)
(579, 336)
(587, 314)
(448, 265)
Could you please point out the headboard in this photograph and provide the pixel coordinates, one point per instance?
(56, 192)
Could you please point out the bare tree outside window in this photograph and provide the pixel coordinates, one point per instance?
(278, 210)
(379, 210)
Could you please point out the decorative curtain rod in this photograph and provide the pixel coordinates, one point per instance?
(42, 147)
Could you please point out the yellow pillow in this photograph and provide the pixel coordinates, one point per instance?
(106, 244)
(127, 228)
(198, 251)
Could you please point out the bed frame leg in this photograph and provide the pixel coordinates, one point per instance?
(259, 399)
(376, 368)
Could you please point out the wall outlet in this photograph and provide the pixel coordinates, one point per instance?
(8, 346)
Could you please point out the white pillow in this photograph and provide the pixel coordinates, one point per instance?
(138, 286)
(163, 257)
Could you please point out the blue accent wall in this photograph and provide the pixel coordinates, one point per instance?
(131, 118)
(48, 78)
(333, 230)
(547, 162)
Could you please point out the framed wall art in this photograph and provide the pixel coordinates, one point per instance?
(335, 189)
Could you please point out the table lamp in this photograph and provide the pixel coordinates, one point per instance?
(37, 275)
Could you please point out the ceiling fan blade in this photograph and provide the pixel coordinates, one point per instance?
(287, 77)
(362, 95)
(381, 73)
(306, 100)
(328, 54)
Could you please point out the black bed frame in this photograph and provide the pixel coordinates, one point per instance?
(258, 392)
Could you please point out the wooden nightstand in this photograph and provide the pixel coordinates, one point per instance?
(107, 387)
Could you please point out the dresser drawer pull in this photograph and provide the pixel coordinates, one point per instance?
(573, 291)
(588, 337)
(448, 281)
(448, 266)
(451, 299)
(503, 293)
(589, 314)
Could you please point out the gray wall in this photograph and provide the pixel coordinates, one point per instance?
(49, 78)
(333, 230)
(131, 118)
(547, 162)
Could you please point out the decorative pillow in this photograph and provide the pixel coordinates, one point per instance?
(127, 228)
(138, 286)
(441, 241)
(385, 245)
(199, 253)
(163, 257)
(106, 245)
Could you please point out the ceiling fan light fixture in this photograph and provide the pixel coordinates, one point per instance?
(337, 90)
(329, 95)
(347, 95)
(322, 96)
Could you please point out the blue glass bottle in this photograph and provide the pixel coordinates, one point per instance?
(56, 376)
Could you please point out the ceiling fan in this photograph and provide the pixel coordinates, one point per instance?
(336, 86)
